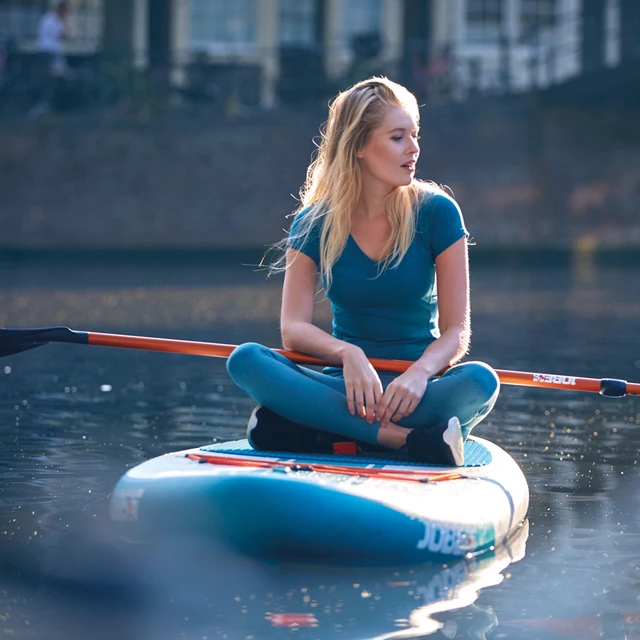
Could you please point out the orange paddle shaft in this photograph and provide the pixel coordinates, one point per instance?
(605, 386)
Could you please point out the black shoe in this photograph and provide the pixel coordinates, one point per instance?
(443, 444)
(268, 431)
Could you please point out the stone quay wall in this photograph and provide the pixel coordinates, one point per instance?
(525, 175)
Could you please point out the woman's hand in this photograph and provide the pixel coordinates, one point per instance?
(364, 389)
(402, 396)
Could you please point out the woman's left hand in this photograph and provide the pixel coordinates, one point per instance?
(402, 396)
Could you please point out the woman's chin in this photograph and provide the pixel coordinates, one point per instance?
(403, 181)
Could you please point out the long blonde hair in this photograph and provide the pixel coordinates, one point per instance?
(333, 186)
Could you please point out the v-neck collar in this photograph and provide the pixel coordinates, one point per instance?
(366, 255)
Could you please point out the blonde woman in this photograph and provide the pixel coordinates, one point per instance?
(391, 252)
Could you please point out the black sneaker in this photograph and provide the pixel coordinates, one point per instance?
(268, 431)
(442, 444)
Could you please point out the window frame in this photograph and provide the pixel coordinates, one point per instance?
(481, 30)
(203, 11)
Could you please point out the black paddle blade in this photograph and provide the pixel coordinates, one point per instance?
(18, 340)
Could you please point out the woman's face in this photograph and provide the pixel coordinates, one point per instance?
(392, 150)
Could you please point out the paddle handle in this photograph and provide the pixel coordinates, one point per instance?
(609, 387)
(606, 386)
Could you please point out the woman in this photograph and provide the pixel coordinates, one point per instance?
(392, 255)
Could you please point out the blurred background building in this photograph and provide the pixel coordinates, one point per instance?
(293, 50)
(522, 101)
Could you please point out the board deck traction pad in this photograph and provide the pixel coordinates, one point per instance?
(475, 455)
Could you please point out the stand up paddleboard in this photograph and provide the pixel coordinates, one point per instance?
(355, 509)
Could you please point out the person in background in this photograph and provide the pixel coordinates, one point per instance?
(391, 252)
(51, 65)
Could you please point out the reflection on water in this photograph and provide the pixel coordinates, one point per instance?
(187, 588)
(75, 418)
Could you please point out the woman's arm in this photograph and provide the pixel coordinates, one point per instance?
(300, 334)
(452, 279)
(296, 318)
(405, 392)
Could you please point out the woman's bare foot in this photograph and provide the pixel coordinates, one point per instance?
(393, 436)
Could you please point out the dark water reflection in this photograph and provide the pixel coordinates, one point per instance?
(75, 418)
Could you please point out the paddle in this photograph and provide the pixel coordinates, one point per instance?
(17, 340)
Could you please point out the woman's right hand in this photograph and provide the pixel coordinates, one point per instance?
(362, 383)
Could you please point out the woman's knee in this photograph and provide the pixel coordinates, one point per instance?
(482, 382)
(245, 358)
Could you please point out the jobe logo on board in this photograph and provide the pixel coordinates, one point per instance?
(551, 379)
(440, 538)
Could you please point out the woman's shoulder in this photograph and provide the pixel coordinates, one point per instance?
(307, 221)
(312, 214)
(301, 212)
(305, 231)
(433, 199)
(440, 222)
(434, 203)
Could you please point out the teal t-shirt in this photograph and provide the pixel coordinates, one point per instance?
(392, 313)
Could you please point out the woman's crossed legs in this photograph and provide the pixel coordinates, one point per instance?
(317, 400)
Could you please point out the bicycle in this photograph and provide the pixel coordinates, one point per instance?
(82, 85)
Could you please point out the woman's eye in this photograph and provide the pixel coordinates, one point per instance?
(397, 138)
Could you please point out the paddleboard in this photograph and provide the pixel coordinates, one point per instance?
(341, 509)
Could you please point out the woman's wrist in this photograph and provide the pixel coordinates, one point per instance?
(346, 351)
(426, 367)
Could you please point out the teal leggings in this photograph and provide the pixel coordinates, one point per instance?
(315, 399)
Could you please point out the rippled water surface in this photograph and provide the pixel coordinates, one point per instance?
(75, 418)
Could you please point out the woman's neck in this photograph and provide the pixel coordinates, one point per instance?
(371, 203)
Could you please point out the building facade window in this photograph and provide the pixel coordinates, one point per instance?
(536, 15)
(19, 21)
(297, 23)
(360, 17)
(221, 26)
(484, 20)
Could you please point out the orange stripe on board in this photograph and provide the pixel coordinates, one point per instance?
(262, 463)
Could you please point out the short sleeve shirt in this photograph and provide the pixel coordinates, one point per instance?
(390, 313)
(50, 32)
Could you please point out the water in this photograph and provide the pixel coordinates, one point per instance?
(76, 417)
